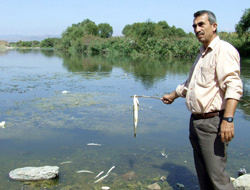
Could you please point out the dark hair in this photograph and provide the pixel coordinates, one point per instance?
(211, 15)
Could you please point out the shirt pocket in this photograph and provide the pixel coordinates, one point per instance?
(205, 76)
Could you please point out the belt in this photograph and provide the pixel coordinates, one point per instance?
(208, 115)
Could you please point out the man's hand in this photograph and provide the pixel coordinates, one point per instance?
(226, 131)
(227, 128)
(169, 98)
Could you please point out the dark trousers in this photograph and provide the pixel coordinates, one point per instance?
(210, 154)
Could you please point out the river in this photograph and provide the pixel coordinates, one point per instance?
(55, 104)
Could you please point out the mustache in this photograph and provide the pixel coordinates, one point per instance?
(198, 33)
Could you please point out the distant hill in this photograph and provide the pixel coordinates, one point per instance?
(16, 38)
(3, 43)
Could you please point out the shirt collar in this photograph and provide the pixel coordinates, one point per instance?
(211, 46)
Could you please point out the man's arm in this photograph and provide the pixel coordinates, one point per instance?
(227, 128)
(169, 98)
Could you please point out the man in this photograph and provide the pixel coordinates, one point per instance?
(212, 91)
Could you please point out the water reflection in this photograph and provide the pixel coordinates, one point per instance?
(147, 72)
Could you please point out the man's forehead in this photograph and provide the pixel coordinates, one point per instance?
(201, 18)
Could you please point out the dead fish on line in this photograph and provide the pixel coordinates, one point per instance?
(136, 114)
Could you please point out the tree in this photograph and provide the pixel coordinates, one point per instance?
(243, 25)
(48, 42)
(73, 35)
(105, 30)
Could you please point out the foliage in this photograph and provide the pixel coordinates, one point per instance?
(49, 42)
(243, 25)
(105, 30)
(72, 37)
(27, 43)
(140, 40)
(150, 29)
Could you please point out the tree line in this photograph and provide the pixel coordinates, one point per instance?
(139, 40)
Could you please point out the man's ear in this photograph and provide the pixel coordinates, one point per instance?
(214, 27)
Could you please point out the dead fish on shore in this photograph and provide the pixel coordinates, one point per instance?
(136, 114)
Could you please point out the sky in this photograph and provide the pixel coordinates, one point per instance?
(52, 17)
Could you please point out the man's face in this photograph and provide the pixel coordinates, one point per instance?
(205, 32)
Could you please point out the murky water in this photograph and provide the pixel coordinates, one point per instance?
(55, 104)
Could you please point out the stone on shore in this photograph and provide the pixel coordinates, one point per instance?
(34, 173)
(242, 182)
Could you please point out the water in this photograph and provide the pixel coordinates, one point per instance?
(47, 127)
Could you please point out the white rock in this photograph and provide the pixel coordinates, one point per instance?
(34, 173)
(154, 186)
(242, 182)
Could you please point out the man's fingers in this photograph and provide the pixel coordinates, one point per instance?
(226, 137)
(222, 136)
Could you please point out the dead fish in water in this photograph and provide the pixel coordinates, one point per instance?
(94, 144)
(136, 114)
(102, 178)
(66, 162)
(113, 167)
(84, 171)
(98, 175)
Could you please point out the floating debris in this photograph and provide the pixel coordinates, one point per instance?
(94, 144)
(84, 171)
(98, 175)
(163, 178)
(180, 185)
(2, 124)
(163, 154)
(65, 92)
(66, 162)
(242, 171)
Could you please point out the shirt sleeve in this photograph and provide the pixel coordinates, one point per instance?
(182, 89)
(228, 71)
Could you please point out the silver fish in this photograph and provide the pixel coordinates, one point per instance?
(66, 162)
(84, 171)
(102, 178)
(113, 167)
(94, 144)
(98, 175)
(136, 110)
